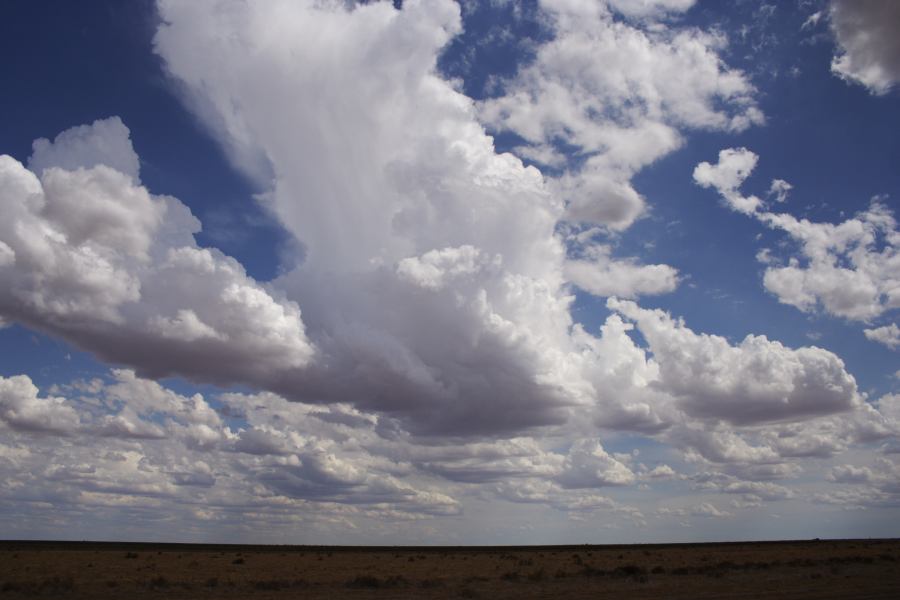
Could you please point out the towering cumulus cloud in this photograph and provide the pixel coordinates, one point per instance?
(433, 285)
(432, 278)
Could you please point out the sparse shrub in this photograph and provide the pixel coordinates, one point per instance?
(634, 572)
(58, 584)
(238, 561)
(536, 576)
(658, 570)
(271, 585)
(371, 582)
(560, 574)
(159, 582)
(468, 593)
(510, 576)
(589, 571)
(131, 555)
(364, 581)
(395, 581)
(427, 584)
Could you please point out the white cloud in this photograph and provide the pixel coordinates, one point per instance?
(588, 465)
(866, 31)
(851, 270)
(649, 8)
(90, 255)
(660, 472)
(705, 509)
(780, 189)
(104, 142)
(601, 275)
(726, 176)
(757, 381)
(618, 94)
(889, 335)
(22, 409)
(432, 283)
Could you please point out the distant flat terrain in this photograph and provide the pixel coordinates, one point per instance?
(802, 569)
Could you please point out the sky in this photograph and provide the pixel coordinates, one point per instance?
(439, 272)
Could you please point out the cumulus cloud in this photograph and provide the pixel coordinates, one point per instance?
(22, 409)
(757, 381)
(103, 142)
(601, 275)
(616, 94)
(865, 486)
(866, 31)
(726, 176)
(90, 255)
(851, 270)
(589, 465)
(889, 335)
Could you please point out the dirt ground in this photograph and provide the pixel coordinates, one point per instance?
(808, 569)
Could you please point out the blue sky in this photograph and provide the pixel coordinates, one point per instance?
(507, 272)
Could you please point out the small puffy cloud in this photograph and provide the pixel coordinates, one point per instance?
(850, 474)
(866, 31)
(705, 509)
(780, 189)
(889, 335)
(660, 472)
(588, 465)
(600, 274)
(726, 176)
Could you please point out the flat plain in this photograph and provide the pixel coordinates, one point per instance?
(798, 569)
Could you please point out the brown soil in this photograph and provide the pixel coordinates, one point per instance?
(810, 569)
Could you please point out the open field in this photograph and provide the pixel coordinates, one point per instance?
(807, 569)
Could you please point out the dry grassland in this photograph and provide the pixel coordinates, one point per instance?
(812, 569)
